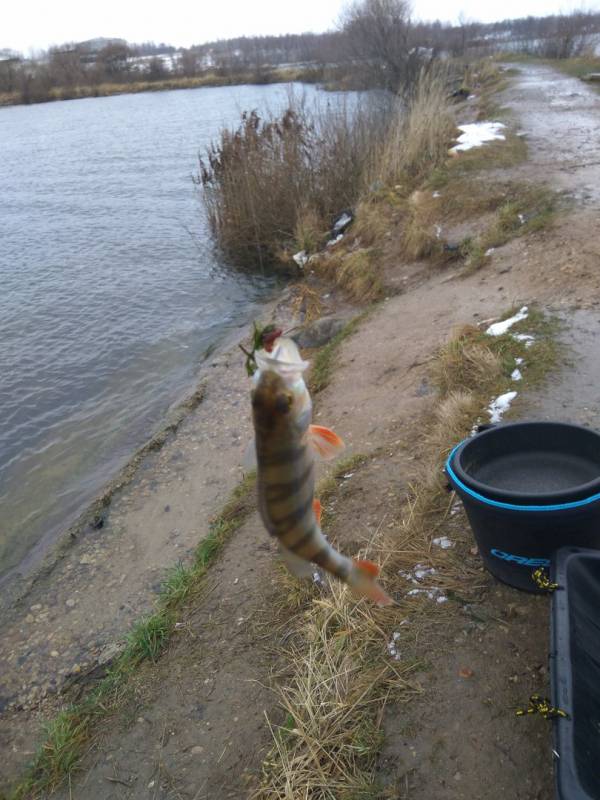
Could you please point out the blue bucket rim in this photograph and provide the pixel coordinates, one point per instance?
(510, 506)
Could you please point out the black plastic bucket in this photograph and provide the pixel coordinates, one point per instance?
(575, 673)
(528, 488)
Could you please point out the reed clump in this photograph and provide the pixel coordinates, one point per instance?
(280, 182)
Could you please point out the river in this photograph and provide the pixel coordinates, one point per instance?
(111, 293)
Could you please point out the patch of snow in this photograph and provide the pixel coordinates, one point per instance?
(516, 375)
(476, 134)
(498, 407)
(434, 593)
(392, 645)
(342, 222)
(420, 571)
(526, 338)
(301, 258)
(498, 328)
(348, 475)
(443, 541)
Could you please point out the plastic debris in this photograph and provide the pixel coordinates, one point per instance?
(443, 541)
(516, 375)
(301, 258)
(498, 328)
(342, 222)
(335, 240)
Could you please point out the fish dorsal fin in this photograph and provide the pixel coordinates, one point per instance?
(318, 510)
(325, 442)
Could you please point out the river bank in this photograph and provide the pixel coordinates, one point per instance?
(195, 720)
(210, 80)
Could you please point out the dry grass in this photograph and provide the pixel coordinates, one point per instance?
(278, 183)
(341, 674)
(420, 136)
(357, 271)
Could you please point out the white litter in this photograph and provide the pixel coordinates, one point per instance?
(516, 375)
(526, 338)
(498, 328)
(392, 648)
(436, 194)
(443, 541)
(521, 219)
(519, 361)
(498, 407)
(335, 240)
(342, 223)
(477, 133)
(438, 231)
(420, 571)
(301, 258)
(317, 577)
(432, 594)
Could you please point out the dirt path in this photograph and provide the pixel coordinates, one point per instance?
(194, 726)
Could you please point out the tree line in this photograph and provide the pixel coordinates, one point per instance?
(376, 44)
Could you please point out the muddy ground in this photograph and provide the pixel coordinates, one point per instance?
(195, 726)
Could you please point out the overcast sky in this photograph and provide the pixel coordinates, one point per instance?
(39, 23)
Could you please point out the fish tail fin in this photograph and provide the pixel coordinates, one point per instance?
(325, 442)
(363, 584)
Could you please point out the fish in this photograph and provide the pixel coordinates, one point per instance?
(285, 442)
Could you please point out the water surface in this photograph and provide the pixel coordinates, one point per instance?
(110, 291)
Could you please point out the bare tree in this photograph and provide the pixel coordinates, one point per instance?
(382, 43)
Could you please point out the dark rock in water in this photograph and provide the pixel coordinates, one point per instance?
(319, 332)
(98, 522)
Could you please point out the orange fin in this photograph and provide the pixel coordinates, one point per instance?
(325, 442)
(367, 586)
(375, 593)
(318, 510)
(368, 567)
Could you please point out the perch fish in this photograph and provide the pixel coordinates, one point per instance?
(285, 441)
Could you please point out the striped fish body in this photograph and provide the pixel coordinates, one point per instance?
(285, 472)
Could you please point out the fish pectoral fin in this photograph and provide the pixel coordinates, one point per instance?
(325, 442)
(317, 510)
(298, 566)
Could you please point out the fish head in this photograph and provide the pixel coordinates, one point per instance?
(274, 404)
